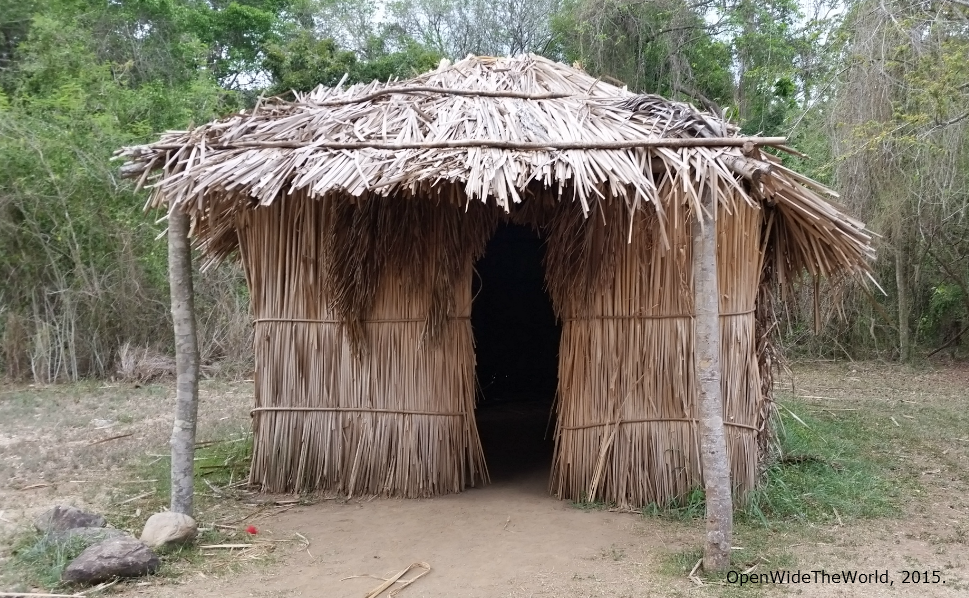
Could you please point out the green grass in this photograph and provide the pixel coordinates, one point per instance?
(828, 470)
(584, 504)
(834, 466)
(38, 560)
(831, 467)
(221, 463)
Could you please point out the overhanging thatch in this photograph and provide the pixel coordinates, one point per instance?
(360, 212)
(494, 128)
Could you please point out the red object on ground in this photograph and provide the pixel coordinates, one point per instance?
(252, 530)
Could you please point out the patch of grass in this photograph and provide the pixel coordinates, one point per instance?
(832, 466)
(221, 463)
(37, 560)
(583, 504)
(224, 462)
(828, 471)
(754, 548)
(691, 507)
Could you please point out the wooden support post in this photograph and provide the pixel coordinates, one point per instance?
(186, 363)
(713, 444)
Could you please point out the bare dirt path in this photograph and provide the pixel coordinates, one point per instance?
(510, 540)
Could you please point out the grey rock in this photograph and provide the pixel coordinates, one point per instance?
(167, 528)
(62, 518)
(119, 557)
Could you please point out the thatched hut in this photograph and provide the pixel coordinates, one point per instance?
(359, 214)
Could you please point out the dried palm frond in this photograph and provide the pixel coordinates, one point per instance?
(492, 127)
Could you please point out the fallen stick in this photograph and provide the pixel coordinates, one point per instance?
(693, 576)
(32, 487)
(134, 498)
(395, 579)
(100, 587)
(227, 546)
(110, 438)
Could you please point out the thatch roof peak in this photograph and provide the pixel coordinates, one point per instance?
(487, 129)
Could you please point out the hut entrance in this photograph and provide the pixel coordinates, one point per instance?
(516, 347)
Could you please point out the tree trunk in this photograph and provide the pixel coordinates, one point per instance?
(901, 282)
(713, 444)
(186, 363)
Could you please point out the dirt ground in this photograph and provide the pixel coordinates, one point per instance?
(75, 444)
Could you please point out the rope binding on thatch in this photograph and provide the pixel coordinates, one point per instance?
(356, 410)
(363, 321)
(651, 317)
(647, 420)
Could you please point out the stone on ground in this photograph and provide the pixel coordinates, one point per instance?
(167, 528)
(62, 518)
(119, 557)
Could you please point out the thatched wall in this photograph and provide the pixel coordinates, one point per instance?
(364, 354)
(627, 412)
(365, 357)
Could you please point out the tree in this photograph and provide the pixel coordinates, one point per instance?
(84, 275)
(764, 41)
(713, 443)
(901, 135)
(456, 28)
(306, 61)
(186, 363)
(664, 47)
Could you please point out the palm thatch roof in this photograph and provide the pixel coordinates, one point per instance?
(497, 130)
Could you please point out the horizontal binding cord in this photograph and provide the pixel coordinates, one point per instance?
(378, 321)
(648, 317)
(356, 410)
(661, 419)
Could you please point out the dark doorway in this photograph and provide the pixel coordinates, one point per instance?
(516, 347)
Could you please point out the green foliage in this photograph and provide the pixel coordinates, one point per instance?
(304, 62)
(765, 44)
(944, 315)
(899, 134)
(81, 259)
(80, 78)
(693, 506)
(383, 64)
(220, 463)
(657, 47)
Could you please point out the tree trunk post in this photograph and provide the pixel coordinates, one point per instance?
(902, 284)
(186, 363)
(713, 444)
